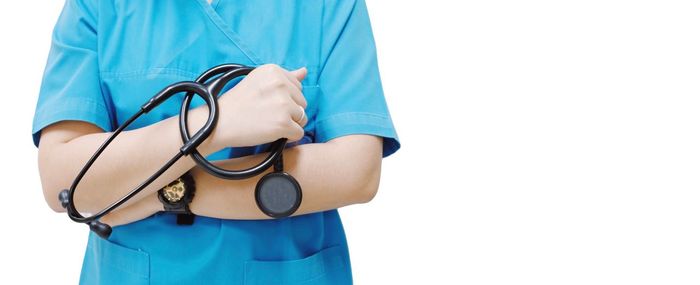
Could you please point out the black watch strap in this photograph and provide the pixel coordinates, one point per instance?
(185, 219)
(176, 209)
(181, 208)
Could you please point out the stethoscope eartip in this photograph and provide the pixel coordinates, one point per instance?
(101, 229)
(63, 198)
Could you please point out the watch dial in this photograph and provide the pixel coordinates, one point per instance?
(175, 192)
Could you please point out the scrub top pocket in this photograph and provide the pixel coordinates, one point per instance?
(107, 262)
(328, 266)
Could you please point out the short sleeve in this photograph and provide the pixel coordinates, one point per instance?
(70, 88)
(351, 99)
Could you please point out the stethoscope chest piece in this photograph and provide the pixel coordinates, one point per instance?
(278, 194)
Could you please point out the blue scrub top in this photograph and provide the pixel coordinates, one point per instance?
(109, 57)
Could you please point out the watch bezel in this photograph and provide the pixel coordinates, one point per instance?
(183, 204)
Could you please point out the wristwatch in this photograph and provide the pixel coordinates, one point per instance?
(177, 196)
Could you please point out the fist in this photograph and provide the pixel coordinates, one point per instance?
(265, 106)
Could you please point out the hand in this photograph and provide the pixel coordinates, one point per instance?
(265, 106)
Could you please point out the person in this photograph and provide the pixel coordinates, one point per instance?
(316, 83)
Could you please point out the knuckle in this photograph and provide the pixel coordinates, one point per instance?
(258, 70)
(267, 67)
(275, 83)
(298, 134)
(280, 82)
(280, 101)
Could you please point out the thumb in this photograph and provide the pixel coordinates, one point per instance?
(299, 74)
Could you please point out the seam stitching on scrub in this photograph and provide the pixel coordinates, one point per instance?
(150, 71)
(111, 114)
(105, 101)
(366, 114)
(321, 61)
(49, 116)
(340, 34)
(228, 31)
(86, 105)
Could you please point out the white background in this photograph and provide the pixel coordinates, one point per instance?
(544, 142)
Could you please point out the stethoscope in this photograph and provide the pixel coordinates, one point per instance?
(277, 194)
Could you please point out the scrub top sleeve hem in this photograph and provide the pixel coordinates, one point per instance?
(359, 123)
(75, 109)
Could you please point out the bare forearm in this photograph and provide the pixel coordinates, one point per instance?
(130, 159)
(330, 174)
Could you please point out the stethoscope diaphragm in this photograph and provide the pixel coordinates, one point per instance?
(278, 194)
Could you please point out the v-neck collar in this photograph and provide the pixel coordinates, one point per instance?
(214, 4)
(208, 9)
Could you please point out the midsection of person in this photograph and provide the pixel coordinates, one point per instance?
(146, 45)
(109, 57)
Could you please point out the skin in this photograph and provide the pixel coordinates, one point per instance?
(264, 106)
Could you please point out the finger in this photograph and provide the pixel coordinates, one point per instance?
(296, 132)
(297, 76)
(297, 96)
(294, 82)
(304, 121)
(301, 118)
(297, 115)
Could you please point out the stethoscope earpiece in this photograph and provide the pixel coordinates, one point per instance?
(63, 198)
(101, 229)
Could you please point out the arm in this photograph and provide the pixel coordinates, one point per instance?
(340, 172)
(262, 109)
(66, 146)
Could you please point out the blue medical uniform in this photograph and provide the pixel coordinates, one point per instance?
(108, 57)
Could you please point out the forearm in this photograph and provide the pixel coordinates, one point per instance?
(331, 176)
(128, 160)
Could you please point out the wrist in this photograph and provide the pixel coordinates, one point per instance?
(197, 119)
(154, 203)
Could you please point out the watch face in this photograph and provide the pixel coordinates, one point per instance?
(175, 191)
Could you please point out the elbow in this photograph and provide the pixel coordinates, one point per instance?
(51, 198)
(366, 195)
(369, 187)
(57, 161)
(362, 165)
(49, 185)
(56, 207)
(52, 185)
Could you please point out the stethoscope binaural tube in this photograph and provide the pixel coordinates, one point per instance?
(207, 86)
